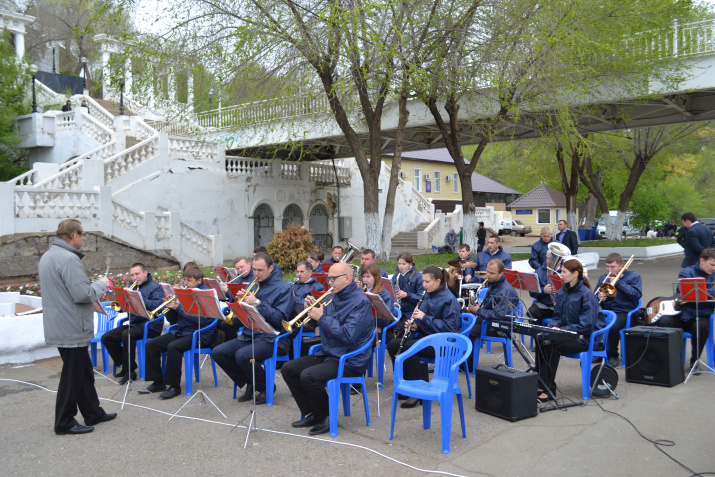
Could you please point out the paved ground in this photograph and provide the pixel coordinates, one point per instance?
(588, 440)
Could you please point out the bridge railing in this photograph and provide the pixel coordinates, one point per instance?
(690, 39)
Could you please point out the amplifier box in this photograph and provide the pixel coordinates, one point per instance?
(654, 355)
(506, 392)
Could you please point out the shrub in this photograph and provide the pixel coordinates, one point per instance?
(291, 246)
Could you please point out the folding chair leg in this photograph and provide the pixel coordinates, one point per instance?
(392, 414)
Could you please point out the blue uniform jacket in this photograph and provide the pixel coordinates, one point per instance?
(538, 254)
(276, 271)
(697, 238)
(387, 298)
(687, 310)
(501, 300)
(346, 325)
(485, 257)
(276, 305)
(319, 269)
(630, 290)
(410, 283)
(543, 298)
(442, 313)
(190, 323)
(577, 310)
(153, 296)
(301, 290)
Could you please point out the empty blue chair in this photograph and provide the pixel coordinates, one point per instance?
(623, 332)
(451, 350)
(506, 342)
(468, 320)
(710, 343)
(269, 365)
(104, 324)
(380, 350)
(588, 355)
(298, 341)
(341, 386)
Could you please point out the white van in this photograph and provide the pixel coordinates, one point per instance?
(628, 228)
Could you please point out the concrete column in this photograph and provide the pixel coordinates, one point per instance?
(7, 208)
(149, 231)
(105, 75)
(19, 45)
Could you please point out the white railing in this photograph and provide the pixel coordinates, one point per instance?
(424, 206)
(31, 203)
(195, 239)
(244, 167)
(321, 172)
(26, 179)
(71, 172)
(128, 219)
(47, 97)
(94, 128)
(96, 110)
(193, 149)
(290, 170)
(143, 130)
(65, 121)
(163, 229)
(130, 158)
(691, 39)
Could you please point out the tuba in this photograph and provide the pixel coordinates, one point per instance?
(559, 252)
(351, 252)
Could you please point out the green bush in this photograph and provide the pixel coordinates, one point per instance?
(291, 246)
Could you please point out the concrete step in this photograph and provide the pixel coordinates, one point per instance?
(113, 107)
(131, 141)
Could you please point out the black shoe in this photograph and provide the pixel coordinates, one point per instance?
(121, 373)
(105, 418)
(76, 429)
(170, 393)
(262, 396)
(544, 397)
(125, 379)
(401, 397)
(408, 405)
(153, 388)
(248, 395)
(613, 361)
(307, 421)
(321, 427)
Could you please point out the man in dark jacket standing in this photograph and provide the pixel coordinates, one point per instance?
(567, 237)
(697, 238)
(68, 319)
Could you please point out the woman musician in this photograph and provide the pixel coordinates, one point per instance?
(576, 309)
(409, 282)
(372, 281)
(439, 312)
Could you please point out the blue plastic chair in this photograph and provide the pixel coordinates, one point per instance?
(709, 344)
(451, 350)
(298, 341)
(623, 333)
(468, 320)
(588, 355)
(104, 324)
(506, 342)
(341, 386)
(269, 365)
(381, 349)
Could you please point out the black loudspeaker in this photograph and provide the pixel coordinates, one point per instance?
(654, 355)
(505, 392)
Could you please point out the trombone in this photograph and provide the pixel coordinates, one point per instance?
(609, 288)
(302, 317)
(115, 304)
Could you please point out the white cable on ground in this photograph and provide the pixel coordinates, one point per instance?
(329, 441)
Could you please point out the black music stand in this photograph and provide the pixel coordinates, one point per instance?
(253, 320)
(131, 302)
(694, 290)
(379, 311)
(203, 304)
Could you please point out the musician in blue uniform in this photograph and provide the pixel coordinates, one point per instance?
(346, 324)
(336, 255)
(174, 344)
(153, 296)
(315, 262)
(409, 282)
(439, 313)
(576, 310)
(686, 319)
(543, 305)
(493, 250)
(499, 303)
(367, 258)
(465, 255)
(629, 289)
(274, 301)
(303, 285)
(372, 282)
(276, 268)
(540, 249)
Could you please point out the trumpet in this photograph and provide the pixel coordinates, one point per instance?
(161, 309)
(609, 288)
(302, 317)
(115, 304)
(249, 289)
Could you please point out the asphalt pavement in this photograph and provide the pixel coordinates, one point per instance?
(598, 438)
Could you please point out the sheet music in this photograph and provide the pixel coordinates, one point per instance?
(98, 307)
(379, 306)
(199, 302)
(387, 285)
(252, 318)
(213, 283)
(168, 289)
(131, 301)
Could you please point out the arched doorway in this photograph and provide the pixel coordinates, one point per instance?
(262, 225)
(319, 225)
(292, 214)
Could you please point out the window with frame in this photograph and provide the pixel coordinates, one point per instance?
(418, 180)
(455, 183)
(543, 216)
(437, 188)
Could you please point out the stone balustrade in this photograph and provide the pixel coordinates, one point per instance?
(130, 158)
(30, 203)
(193, 149)
(245, 167)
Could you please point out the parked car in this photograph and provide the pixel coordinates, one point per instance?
(710, 222)
(628, 228)
(514, 228)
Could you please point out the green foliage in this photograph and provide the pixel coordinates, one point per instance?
(291, 246)
(639, 242)
(14, 81)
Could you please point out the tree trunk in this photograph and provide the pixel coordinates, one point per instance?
(590, 210)
(569, 181)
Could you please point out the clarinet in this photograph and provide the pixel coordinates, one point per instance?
(409, 323)
(396, 289)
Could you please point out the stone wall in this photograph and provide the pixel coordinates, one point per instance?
(20, 254)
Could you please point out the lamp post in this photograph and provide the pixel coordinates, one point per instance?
(121, 98)
(33, 71)
(84, 72)
(211, 93)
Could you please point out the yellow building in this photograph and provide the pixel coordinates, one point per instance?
(541, 207)
(432, 173)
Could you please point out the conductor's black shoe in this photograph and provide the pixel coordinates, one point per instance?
(321, 427)
(170, 393)
(125, 379)
(105, 418)
(307, 421)
(153, 388)
(248, 395)
(76, 429)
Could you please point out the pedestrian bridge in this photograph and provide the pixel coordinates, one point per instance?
(274, 127)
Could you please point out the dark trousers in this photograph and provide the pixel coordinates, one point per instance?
(174, 347)
(234, 357)
(412, 367)
(76, 390)
(614, 335)
(306, 378)
(548, 356)
(539, 314)
(112, 340)
(691, 327)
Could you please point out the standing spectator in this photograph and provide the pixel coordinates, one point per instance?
(85, 105)
(481, 237)
(67, 107)
(697, 238)
(68, 320)
(567, 237)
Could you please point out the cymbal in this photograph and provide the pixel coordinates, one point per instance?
(460, 264)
